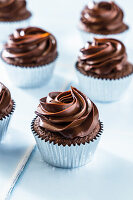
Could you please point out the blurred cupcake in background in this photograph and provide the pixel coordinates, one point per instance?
(100, 19)
(67, 128)
(13, 14)
(103, 70)
(29, 57)
(7, 106)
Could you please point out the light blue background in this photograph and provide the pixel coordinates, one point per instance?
(110, 175)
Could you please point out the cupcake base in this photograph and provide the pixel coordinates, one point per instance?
(29, 77)
(66, 156)
(4, 122)
(87, 36)
(103, 90)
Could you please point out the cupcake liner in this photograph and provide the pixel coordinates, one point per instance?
(4, 122)
(86, 36)
(103, 90)
(29, 77)
(66, 156)
(8, 28)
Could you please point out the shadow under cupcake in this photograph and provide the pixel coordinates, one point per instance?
(29, 57)
(103, 70)
(67, 128)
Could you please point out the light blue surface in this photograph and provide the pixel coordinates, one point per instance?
(110, 175)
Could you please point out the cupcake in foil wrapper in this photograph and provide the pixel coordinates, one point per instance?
(13, 14)
(103, 70)
(67, 156)
(7, 107)
(95, 21)
(4, 122)
(67, 129)
(29, 57)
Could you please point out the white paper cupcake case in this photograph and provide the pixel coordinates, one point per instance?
(4, 122)
(66, 156)
(29, 77)
(7, 28)
(103, 90)
(85, 36)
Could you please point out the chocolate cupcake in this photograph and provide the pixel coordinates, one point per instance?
(99, 19)
(7, 106)
(29, 56)
(67, 128)
(103, 69)
(13, 14)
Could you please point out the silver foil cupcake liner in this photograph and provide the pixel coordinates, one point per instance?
(29, 77)
(66, 156)
(8, 28)
(103, 90)
(86, 36)
(4, 122)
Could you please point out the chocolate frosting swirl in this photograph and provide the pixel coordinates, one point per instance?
(30, 46)
(13, 10)
(103, 18)
(5, 100)
(69, 113)
(103, 56)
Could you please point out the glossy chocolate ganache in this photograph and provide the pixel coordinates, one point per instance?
(104, 58)
(30, 46)
(102, 18)
(13, 10)
(68, 115)
(6, 102)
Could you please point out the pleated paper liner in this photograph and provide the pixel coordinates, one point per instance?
(4, 122)
(29, 76)
(88, 36)
(103, 90)
(66, 156)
